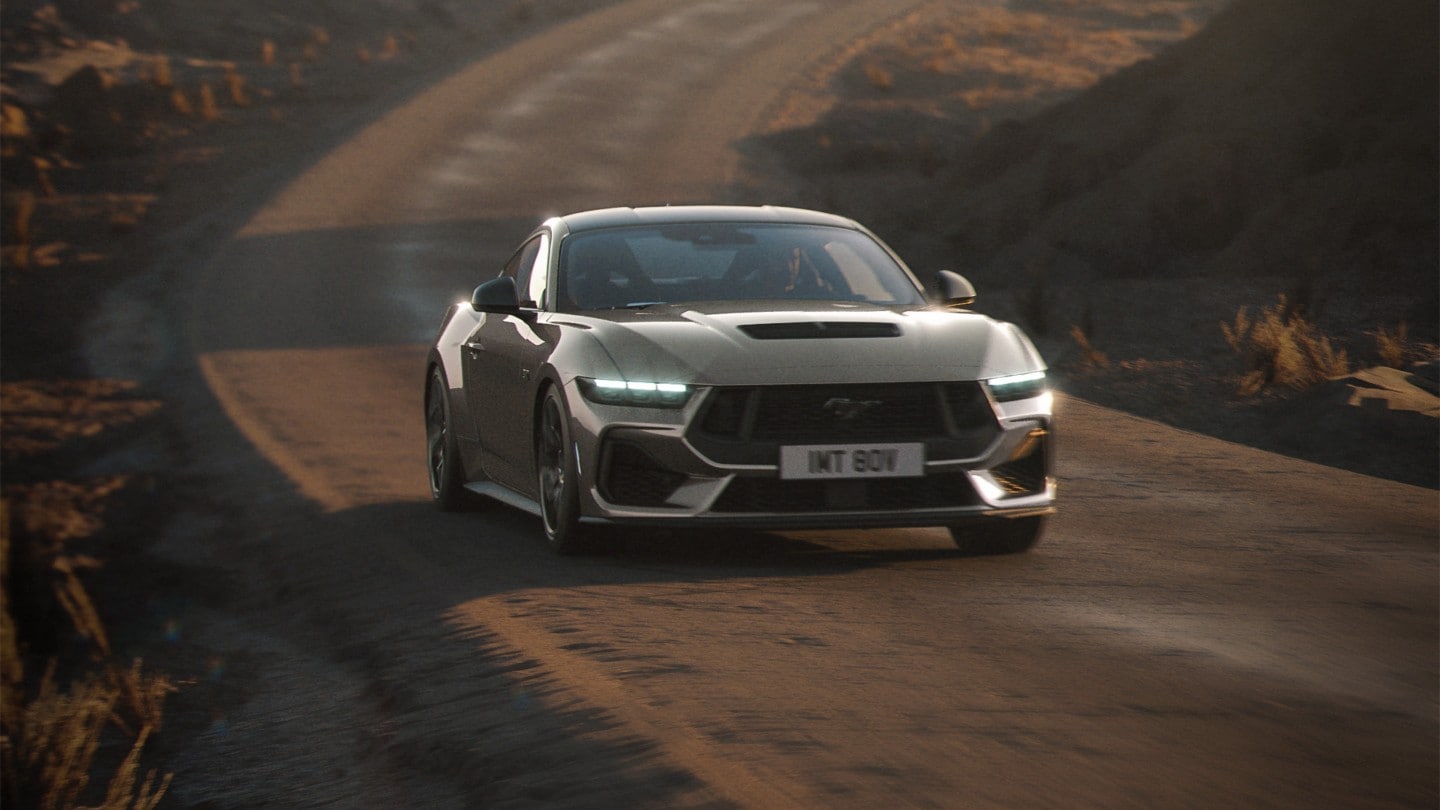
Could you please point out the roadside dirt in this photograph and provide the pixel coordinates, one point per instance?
(896, 117)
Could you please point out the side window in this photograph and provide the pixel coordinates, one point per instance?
(521, 267)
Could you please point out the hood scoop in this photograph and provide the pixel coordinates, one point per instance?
(819, 330)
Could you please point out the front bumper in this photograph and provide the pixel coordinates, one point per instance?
(650, 466)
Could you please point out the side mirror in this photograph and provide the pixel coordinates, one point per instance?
(496, 295)
(955, 289)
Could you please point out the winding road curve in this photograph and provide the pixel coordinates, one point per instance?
(1205, 626)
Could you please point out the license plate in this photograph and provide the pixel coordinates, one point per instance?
(852, 460)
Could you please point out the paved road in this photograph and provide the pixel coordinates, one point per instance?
(1206, 626)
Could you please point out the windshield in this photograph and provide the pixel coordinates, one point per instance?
(694, 262)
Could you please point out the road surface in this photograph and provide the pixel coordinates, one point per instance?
(1206, 625)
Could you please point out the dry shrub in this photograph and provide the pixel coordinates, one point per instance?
(38, 416)
(14, 127)
(209, 110)
(49, 739)
(56, 724)
(1282, 347)
(1391, 346)
(18, 237)
(71, 595)
(1090, 356)
(180, 103)
(236, 87)
(160, 75)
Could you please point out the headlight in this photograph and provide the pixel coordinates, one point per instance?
(1017, 386)
(631, 392)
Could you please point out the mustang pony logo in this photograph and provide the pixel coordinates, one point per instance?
(848, 410)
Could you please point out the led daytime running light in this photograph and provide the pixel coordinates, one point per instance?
(632, 392)
(1017, 386)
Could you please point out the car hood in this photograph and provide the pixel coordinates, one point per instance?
(809, 343)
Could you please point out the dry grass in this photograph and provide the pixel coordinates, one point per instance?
(73, 734)
(50, 737)
(180, 103)
(159, 73)
(236, 87)
(1392, 346)
(1282, 347)
(19, 236)
(1090, 357)
(209, 109)
(52, 740)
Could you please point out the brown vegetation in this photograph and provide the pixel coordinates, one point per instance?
(1282, 347)
(69, 710)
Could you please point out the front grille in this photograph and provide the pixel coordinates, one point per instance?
(748, 425)
(778, 496)
(630, 477)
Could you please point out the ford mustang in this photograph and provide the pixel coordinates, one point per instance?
(724, 366)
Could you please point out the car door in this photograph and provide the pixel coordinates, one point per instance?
(501, 359)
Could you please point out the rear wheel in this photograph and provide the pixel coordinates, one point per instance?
(447, 473)
(998, 535)
(559, 479)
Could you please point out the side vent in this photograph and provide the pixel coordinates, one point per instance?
(819, 330)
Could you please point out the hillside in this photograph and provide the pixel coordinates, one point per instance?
(1280, 148)
(1289, 138)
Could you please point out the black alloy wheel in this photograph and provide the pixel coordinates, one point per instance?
(559, 483)
(447, 474)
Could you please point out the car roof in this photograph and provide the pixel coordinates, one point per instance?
(673, 214)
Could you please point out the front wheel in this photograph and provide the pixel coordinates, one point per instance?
(559, 479)
(998, 535)
(447, 473)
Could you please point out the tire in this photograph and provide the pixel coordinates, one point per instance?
(559, 479)
(447, 471)
(998, 535)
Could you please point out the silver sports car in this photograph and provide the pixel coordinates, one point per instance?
(717, 366)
